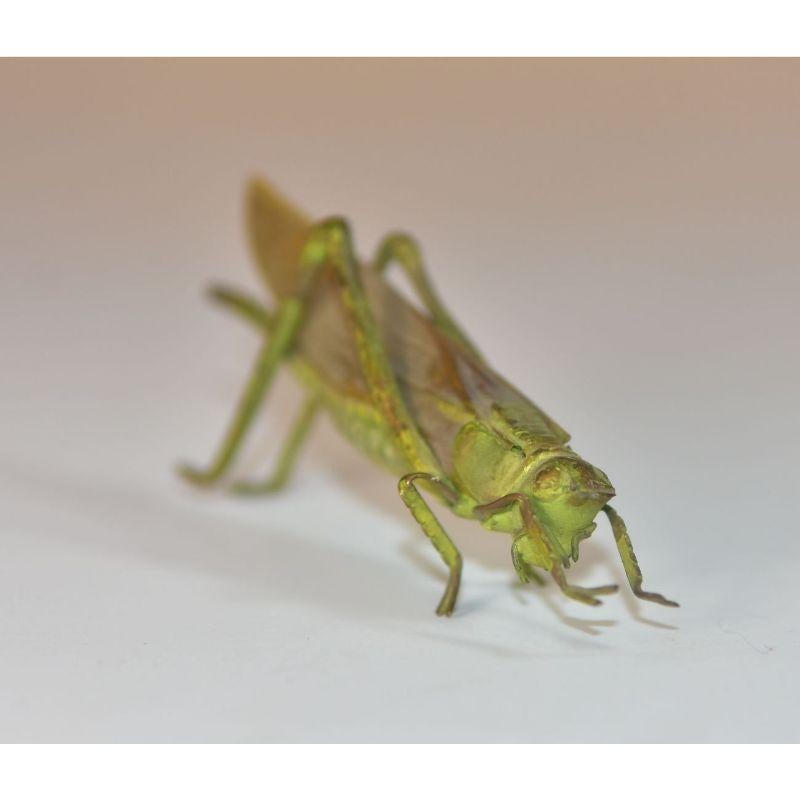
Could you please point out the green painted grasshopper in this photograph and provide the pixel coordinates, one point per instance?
(412, 391)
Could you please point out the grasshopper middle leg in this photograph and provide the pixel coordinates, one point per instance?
(432, 528)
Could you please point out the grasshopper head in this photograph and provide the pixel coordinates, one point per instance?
(567, 495)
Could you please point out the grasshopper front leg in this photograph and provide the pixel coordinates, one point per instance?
(405, 251)
(629, 561)
(532, 548)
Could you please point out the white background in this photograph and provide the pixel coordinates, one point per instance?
(620, 239)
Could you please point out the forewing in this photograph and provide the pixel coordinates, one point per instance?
(506, 409)
(422, 358)
(443, 385)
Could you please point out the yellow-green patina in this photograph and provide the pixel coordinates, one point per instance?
(411, 390)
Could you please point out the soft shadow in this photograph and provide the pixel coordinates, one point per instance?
(634, 608)
(417, 552)
(522, 594)
(275, 562)
(270, 561)
(500, 651)
(373, 486)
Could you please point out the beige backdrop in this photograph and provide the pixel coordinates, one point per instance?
(621, 239)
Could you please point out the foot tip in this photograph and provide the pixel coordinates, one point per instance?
(611, 588)
(191, 475)
(654, 597)
(216, 292)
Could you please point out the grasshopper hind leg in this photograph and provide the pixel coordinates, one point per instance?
(330, 245)
(288, 457)
(246, 307)
(287, 323)
(283, 328)
(253, 312)
(403, 249)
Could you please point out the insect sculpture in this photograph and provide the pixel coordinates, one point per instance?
(412, 391)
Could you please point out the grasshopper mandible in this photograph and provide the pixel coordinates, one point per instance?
(412, 391)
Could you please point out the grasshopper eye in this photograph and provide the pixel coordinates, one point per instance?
(553, 481)
(567, 494)
(576, 479)
(547, 479)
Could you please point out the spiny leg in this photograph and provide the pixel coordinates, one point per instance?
(287, 323)
(580, 593)
(405, 251)
(288, 457)
(535, 536)
(330, 244)
(252, 311)
(433, 530)
(525, 571)
(629, 562)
